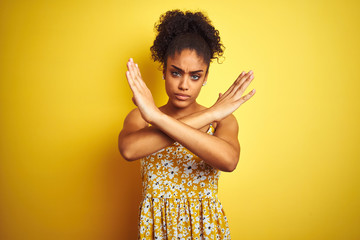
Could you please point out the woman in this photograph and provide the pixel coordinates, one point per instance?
(183, 145)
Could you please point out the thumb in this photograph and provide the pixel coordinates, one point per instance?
(133, 99)
(220, 94)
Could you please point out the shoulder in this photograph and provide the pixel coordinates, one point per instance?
(231, 119)
(228, 130)
(134, 120)
(228, 125)
(135, 113)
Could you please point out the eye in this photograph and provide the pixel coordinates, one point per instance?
(195, 77)
(175, 74)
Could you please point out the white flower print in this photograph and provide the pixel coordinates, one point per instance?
(197, 206)
(197, 228)
(189, 167)
(207, 192)
(157, 183)
(208, 228)
(149, 166)
(166, 163)
(151, 175)
(188, 156)
(146, 207)
(199, 177)
(177, 184)
(173, 171)
(205, 219)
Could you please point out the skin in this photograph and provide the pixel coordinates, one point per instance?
(182, 119)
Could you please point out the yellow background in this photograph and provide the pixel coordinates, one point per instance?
(64, 96)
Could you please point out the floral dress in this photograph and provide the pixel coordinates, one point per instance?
(180, 198)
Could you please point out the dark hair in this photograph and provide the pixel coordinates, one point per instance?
(177, 30)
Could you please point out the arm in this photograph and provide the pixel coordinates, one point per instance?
(136, 135)
(205, 146)
(222, 150)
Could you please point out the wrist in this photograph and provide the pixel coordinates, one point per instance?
(155, 116)
(213, 114)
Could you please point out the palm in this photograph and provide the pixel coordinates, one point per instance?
(232, 99)
(142, 96)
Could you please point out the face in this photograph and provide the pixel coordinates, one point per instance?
(184, 75)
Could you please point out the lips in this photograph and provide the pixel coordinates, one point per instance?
(182, 97)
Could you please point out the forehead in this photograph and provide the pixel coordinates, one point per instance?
(188, 60)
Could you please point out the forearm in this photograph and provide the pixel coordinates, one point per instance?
(151, 139)
(213, 150)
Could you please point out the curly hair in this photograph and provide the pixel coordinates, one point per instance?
(177, 30)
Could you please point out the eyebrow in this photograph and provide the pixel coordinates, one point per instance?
(179, 69)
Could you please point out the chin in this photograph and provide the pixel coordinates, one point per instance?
(181, 104)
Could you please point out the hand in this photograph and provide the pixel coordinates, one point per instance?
(231, 100)
(142, 96)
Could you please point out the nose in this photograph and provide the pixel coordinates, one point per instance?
(184, 83)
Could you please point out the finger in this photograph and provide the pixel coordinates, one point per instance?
(244, 78)
(246, 83)
(134, 84)
(131, 78)
(130, 81)
(231, 88)
(240, 77)
(237, 83)
(128, 65)
(138, 76)
(247, 96)
(250, 74)
(138, 82)
(138, 73)
(132, 70)
(138, 70)
(133, 100)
